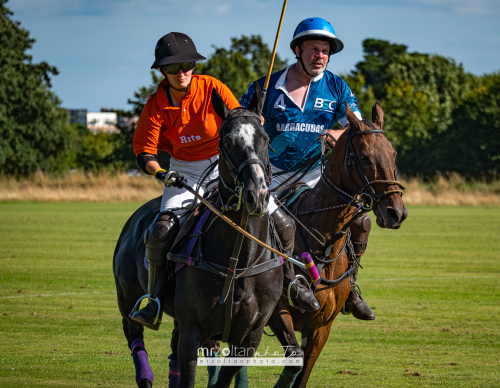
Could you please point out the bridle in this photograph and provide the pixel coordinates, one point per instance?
(236, 171)
(367, 197)
(231, 275)
(365, 200)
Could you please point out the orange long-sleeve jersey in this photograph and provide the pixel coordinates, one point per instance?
(188, 133)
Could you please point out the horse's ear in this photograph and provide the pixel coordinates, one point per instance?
(378, 115)
(355, 124)
(219, 105)
(256, 102)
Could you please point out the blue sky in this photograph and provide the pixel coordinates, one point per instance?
(104, 49)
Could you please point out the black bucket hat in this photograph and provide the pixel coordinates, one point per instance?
(175, 48)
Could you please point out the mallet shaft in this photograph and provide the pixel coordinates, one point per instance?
(244, 232)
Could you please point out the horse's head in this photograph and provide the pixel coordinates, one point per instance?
(243, 153)
(369, 168)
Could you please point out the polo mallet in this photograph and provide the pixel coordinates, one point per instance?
(266, 84)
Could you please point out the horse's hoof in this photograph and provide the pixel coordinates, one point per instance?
(145, 383)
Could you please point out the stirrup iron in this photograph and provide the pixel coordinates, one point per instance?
(157, 321)
(297, 279)
(353, 286)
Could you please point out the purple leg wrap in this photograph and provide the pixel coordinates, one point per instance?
(142, 369)
(174, 376)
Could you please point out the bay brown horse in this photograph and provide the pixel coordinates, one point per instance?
(194, 295)
(362, 161)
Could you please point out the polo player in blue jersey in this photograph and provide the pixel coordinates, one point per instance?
(302, 101)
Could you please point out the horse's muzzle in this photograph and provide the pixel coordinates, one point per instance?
(391, 217)
(257, 201)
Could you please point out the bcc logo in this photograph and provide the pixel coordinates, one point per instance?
(324, 104)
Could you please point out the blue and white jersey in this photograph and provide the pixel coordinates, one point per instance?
(293, 131)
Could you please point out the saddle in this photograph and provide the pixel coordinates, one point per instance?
(291, 194)
(192, 219)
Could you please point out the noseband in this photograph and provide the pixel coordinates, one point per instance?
(369, 198)
(235, 172)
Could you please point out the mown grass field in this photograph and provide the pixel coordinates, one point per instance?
(434, 285)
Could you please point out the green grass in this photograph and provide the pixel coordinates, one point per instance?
(434, 285)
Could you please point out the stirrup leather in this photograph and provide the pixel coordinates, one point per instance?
(353, 286)
(157, 321)
(298, 278)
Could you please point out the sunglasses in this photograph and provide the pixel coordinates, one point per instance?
(174, 69)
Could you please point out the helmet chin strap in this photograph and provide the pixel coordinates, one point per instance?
(302, 62)
(180, 90)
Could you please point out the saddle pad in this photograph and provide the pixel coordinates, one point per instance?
(299, 191)
(188, 243)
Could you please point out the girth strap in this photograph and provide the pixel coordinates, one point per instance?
(228, 290)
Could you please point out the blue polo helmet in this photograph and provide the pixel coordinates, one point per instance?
(316, 28)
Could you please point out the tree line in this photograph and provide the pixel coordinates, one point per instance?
(438, 116)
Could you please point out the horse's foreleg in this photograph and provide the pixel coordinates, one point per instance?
(315, 343)
(189, 343)
(174, 375)
(281, 323)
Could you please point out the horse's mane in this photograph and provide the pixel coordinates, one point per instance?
(369, 123)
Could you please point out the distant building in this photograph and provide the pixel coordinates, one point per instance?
(102, 121)
(124, 121)
(77, 116)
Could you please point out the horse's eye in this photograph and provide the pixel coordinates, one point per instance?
(227, 143)
(364, 158)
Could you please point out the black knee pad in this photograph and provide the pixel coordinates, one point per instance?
(160, 236)
(360, 230)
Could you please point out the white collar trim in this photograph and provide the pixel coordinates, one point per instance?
(280, 85)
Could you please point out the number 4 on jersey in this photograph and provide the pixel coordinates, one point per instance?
(280, 103)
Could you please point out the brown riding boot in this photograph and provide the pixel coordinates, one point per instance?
(158, 238)
(296, 291)
(355, 304)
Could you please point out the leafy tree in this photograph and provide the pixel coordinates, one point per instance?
(364, 95)
(245, 61)
(471, 145)
(33, 128)
(97, 152)
(420, 94)
(379, 54)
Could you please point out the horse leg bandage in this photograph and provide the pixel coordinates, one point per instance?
(241, 378)
(140, 356)
(287, 378)
(213, 370)
(174, 375)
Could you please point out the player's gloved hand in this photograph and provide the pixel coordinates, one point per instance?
(174, 179)
(160, 174)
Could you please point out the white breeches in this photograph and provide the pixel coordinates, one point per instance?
(174, 198)
(310, 179)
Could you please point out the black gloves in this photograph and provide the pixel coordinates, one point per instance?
(171, 178)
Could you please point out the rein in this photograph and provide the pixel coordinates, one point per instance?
(350, 158)
(364, 201)
(231, 274)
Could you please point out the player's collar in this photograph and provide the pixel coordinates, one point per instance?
(281, 80)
